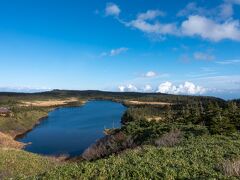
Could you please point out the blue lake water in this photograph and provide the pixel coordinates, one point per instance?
(70, 130)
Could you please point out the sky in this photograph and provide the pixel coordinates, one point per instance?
(176, 47)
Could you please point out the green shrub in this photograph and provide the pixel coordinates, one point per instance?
(194, 158)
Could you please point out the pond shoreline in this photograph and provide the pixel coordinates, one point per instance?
(38, 122)
(22, 134)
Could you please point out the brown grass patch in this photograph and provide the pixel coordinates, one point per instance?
(170, 139)
(8, 142)
(108, 145)
(231, 167)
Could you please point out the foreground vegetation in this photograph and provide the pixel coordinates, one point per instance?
(193, 138)
(15, 163)
(194, 158)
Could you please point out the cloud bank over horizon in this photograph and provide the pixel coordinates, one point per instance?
(187, 88)
(23, 89)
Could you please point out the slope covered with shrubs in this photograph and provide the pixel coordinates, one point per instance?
(199, 157)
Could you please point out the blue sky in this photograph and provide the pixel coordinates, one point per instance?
(179, 47)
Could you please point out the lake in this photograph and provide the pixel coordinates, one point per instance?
(70, 130)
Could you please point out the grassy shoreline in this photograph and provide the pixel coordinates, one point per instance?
(26, 119)
(30, 117)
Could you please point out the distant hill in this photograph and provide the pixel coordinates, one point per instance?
(237, 101)
(94, 94)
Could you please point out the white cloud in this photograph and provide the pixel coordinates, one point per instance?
(229, 62)
(147, 88)
(121, 88)
(167, 87)
(128, 88)
(209, 29)
(203, 56)
(150, 14)
(156, 27)
(147, 23)
(221, 12)
(114, 52)
(214, 24)
(193, 9)
(118, 51)
(150, 74)
(112, 10)
(186, 88)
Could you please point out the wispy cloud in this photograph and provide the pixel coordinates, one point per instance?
(207, 69)
(202, 74)
(220, 81)
(229, 62)
(24, 89)
(118, 51)
(203, 56)
(153, 74)
(147, 23)
(193, 9)
(223, 11)
(150, 74)
(115, 52)
(150, 14)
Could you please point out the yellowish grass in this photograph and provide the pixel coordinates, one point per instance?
(147, 103)
(231, 167)
(50, 103)
(7, 141)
